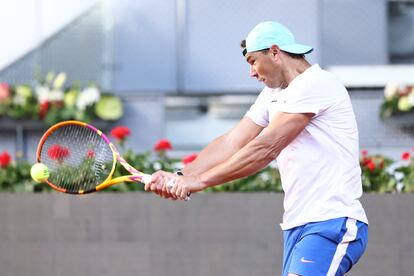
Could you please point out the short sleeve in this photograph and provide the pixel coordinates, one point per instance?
(258, 112)
(310, 97)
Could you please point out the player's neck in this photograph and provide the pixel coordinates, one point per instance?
(294, 68)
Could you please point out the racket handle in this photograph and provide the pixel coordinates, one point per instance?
(171, 184)
(146, 178)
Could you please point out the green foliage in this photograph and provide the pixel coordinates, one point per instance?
(267, 180)
(375, 177)
(22, 103)
(144, 162)
(82, 176)
(407, 170)
(397, 100)
(16, 178)
(389, 107)
(379, 173)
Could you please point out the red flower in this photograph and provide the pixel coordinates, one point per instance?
(57, 152)
(120, 133)
(405, 156)
(5, 159)
(90, 154)
(163, 144)
(371, 165)
(4, 91)
(189, 158)
(364, 152)
(44, 107)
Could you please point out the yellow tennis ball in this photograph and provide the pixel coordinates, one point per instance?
(39, 172)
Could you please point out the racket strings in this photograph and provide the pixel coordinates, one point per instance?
(78, 158)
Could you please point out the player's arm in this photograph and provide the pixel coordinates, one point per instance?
(223, 147)
(259, 152)
(254, 156)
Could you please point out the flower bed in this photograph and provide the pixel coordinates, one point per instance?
(51, 102)
(379, 173)
(398, 101)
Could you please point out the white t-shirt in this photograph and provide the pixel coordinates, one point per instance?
(319, 169)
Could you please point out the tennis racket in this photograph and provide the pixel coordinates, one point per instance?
(81, 159)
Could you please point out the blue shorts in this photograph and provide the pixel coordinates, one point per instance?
(328, 247)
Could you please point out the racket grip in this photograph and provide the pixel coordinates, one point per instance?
(171, 184)
(146, 178)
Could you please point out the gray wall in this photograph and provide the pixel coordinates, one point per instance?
(192, 46)
(214, 29)
(354, 32)
(158, 48)
(144, 46)
(389, 137)
(213, 234)
(196, 49)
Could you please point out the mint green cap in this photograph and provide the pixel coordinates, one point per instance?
(265, 34)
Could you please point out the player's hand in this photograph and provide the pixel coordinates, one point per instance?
(185, 185)
(158, 184)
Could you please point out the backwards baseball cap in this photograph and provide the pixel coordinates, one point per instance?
(265, 34)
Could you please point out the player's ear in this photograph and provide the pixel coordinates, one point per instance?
(274, 50)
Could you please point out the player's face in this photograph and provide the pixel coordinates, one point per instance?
(265, 68)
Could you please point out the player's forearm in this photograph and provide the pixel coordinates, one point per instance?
(250, 159)
(219, 150)
(260, 151)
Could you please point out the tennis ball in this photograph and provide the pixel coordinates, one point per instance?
(39, 172)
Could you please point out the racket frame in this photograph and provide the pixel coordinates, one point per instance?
(135, 175)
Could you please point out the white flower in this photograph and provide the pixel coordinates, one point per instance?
(56, 95)
(178, 165)
(265, 176)
(157, 166)
(42, 93)
(391, 90)
(88, 97)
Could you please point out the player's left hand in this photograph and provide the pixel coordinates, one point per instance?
(183, 185)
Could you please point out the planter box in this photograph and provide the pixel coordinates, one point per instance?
(213, 234)
(402, 119)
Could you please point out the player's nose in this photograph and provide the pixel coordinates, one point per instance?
(253, 72)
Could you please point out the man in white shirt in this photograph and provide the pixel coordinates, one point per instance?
(303, 118)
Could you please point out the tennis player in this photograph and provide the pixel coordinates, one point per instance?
(304, 119)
